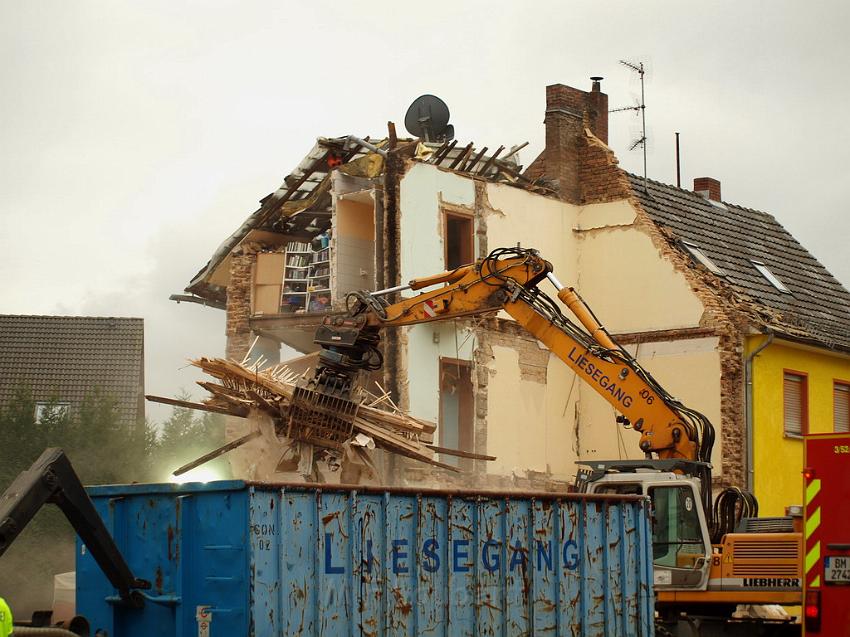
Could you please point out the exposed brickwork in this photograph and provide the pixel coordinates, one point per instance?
(577, 158)
(561, 157)
(537, 168)
(708, 185)
(599, 176)
(238, 328)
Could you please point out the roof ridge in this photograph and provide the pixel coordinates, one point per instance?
(696, 197)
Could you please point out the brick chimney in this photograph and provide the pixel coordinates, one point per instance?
(568, 111)
(707, 187)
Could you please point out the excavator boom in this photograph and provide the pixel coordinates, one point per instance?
(508, 280)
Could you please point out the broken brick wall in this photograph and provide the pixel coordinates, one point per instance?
(730, 325)
(238, 328)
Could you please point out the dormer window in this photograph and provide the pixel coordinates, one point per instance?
(701, 257)
(770, 276)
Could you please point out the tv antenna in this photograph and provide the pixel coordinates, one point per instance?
(428, 118)
(637, 108)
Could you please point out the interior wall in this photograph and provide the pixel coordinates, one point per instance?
(422, 190)
(630, 286)
(545, 224)
(426, 343)
(354, 246)
(268, 277)
(688, 369)
(531, 425)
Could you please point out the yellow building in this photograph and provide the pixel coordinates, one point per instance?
(796, 389)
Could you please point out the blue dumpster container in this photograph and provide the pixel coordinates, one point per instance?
(234, 558)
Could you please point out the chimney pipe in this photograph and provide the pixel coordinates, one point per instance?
(707, 187)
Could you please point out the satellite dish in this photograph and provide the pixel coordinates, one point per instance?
(428, 119)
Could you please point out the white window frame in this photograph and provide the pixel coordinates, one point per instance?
(41, 406)
(703, 258)
(770, 276)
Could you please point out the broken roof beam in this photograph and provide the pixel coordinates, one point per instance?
(442, 153)
(471, 164)
(367, 145)
(461, 156)
(515, 150)
(174, 402)
(491, 161)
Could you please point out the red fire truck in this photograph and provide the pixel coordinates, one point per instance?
(826, 516)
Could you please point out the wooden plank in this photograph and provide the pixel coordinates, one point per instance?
(490, 161)
(215, 453)
(461, 157)
(437, 161)
(198, 406)
(459, 453)
(474, 161)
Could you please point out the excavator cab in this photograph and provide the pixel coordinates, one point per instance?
(681, 542)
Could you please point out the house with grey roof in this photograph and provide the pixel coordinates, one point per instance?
(719, 302)
(62, 359)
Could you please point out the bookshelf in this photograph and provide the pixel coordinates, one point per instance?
(306, 278)
(293, 297)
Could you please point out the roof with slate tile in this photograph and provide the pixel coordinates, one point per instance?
(66, 357)
(817, 309)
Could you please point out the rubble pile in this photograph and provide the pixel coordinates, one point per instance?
(242, 389)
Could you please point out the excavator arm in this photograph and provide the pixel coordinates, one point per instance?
(508, 280)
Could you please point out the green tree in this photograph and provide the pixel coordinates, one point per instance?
(187, 435)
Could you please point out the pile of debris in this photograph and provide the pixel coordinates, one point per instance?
(265, 395)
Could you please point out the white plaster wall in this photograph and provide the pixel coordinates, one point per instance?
(421, 191)
(629, 286)
(530, 425)
(536, 222)
(421, 219)
(688, 369)
(605, 215)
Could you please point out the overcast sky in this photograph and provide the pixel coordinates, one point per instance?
(136, 136)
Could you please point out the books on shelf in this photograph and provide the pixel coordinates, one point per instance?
(306, 277)
(297, 246)
(322, 256)
(319, 271)
(297, 260)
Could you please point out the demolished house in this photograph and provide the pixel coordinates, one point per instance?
(678, 277)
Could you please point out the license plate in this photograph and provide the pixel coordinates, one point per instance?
(836, 570)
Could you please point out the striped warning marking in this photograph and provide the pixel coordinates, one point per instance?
(812, 489)
(430, 309)
(811, 535)
(812, 556)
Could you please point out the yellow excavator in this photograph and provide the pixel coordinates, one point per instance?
(709, 556)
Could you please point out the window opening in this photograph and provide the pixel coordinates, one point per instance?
(701, 257)
(458, 241)
(677, 540)
(51, 411)
(795, 404)
(841, 407)
(456, 408)
(621, 488)
(771, 277)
